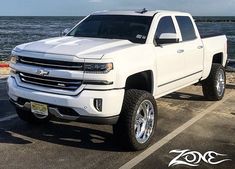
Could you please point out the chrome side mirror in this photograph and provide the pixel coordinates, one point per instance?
(166, 38)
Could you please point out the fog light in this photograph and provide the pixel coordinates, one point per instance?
(98, 104)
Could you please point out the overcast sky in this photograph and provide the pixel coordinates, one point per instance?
(84, 7)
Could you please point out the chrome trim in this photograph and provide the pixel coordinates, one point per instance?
(54, 82)
(42, 72)
(180, 78)
(50, 65)
(54, 65)
(180, 51)
(27, 105)
(48, 80)
(56, 112)
(98, 82)
(53, 111)
(48, 85)
(220, 82)
(200, 47)
(144, 121)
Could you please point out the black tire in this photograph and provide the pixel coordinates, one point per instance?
(209, 85)
(124, 130)
(29, 117)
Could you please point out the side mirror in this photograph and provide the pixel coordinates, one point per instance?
(65, 32)
(166, 38)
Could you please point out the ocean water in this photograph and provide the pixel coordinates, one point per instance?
(220, 25)
(18, 30)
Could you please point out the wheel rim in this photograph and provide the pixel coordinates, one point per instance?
(144, 121)
(220, 86)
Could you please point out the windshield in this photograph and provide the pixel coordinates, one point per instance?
(133, 28)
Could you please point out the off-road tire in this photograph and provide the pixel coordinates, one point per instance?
(124, 129)
(209, 85)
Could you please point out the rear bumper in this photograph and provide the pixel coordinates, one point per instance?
(75, 108)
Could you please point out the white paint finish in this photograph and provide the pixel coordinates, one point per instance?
(93, 48)
(170, 64)
(140, 58)
(177, 85)
(193, 56)
(139, 158)
(212, 46)
(81, 103)
(170, 69)
(57, 73)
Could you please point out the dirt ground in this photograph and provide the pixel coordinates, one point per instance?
(231, 78)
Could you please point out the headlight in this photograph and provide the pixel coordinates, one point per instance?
(13, 59)
(98, 67)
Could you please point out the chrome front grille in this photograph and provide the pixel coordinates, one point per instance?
(60, 83)
(79, 66)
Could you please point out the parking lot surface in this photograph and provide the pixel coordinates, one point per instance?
(186, 121)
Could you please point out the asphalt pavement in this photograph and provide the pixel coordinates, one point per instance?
(186, 122)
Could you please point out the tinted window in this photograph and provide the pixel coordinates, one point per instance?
(133, 28)
(186, 28)
(165, 25)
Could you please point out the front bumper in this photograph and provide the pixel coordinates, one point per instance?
(81, 106)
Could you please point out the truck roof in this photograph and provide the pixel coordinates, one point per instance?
(142, 12)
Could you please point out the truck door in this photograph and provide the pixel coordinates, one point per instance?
(170, 61)
(192, 48)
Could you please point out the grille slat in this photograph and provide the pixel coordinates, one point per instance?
(53, 82)
(79, 66)
(49, 80)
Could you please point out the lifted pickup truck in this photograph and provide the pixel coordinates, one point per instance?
(110, 68)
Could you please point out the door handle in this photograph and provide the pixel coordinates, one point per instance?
(180, 51)
(200, 47)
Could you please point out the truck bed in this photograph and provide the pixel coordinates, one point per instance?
(214, 45)
(203, 36)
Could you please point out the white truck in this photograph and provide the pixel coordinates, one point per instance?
(110, 68)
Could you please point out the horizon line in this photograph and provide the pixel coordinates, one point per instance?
(86, 15)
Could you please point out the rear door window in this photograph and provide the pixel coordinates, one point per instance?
(186, 28)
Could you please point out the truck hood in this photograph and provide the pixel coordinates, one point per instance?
(86, 48)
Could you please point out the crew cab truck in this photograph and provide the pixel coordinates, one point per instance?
(110, 68)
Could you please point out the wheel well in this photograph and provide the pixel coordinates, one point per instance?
(218, 58)
(141, 81)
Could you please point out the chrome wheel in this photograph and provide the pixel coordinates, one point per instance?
(144, 121)
(220, 85)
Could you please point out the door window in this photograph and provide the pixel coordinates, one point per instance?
(186, 28)
(165, 25)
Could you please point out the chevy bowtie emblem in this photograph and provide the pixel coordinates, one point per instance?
(42, 72)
